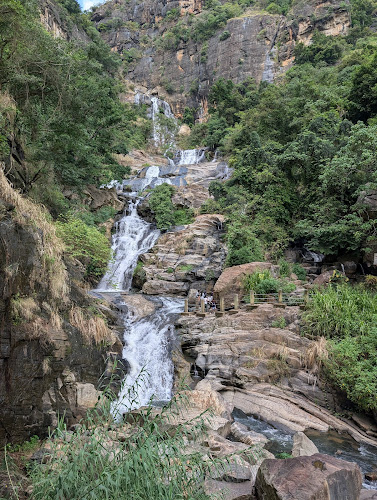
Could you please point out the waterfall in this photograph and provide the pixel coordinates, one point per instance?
(147, 350)
(268, 70)
(162, 133)
(147, 341)
(313, 256)
(190, 156)
(133, 237)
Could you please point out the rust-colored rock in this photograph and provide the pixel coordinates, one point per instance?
(319, 477)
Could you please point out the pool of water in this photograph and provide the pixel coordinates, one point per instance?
(331, 443)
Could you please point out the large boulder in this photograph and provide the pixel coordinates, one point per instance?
(103, 197)
(319, 477)
(230, 281)
(303, 446)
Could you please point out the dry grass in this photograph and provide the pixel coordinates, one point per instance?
(24, 309)
(50, 247)
(316, 354)
(92, 329)
(39, 330)
(283, 353)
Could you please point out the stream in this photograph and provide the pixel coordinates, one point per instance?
(331, 443)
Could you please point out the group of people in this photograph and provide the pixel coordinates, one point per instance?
(209, 303)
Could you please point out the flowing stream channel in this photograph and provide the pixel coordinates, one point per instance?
(331, 443)
(147, 340)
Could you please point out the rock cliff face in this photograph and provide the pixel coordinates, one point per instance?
(188, 259)
(257, 45)
(55, 21)
(50, 360)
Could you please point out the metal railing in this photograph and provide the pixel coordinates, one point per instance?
(253, 300)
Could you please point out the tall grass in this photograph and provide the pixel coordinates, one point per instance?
(347, 317)
(340, 311)
(147, 455)
(49, 246)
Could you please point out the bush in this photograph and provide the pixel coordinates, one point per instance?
(299, 271)
(263, 282)
(162, 206)
(347, 315)
(243, 245)
(339, 312)
(370, 282)
(85, 243)
(166, 214)
(224, 35)
(352, 366)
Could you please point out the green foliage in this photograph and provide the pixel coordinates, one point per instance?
(139, 276)
(263, 282)
(85, 243)
(299, 271)
(224, 35)
(370, 282)
(347, 316)
(243, 245)
(162, 206)
(61, 137)
(322, 49)
(104, 460)
(172, 14)
(189, 116)
(287, 268)
(166, 214)
(29, 445)
(279, 323)
(183, 216)
(339, 312)
(283, 455)
(299, 154)
(352, 367)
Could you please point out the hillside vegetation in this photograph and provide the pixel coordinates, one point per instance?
(302, 149)
(61, 120)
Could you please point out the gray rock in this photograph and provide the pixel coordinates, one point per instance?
(303, 446)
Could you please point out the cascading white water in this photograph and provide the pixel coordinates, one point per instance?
(147, 341)
(133, 237)
(191, 156)
(148, 344)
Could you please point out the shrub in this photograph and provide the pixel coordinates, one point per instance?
(299, 271)
(85, 243)
(166, 214)
(263, 282)
(279, 323)
(340, 311)
(347, 316)
(162, 206)
(183, 216)
(243, 245)
(224, 35)
(370, 282)
(352, 366)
